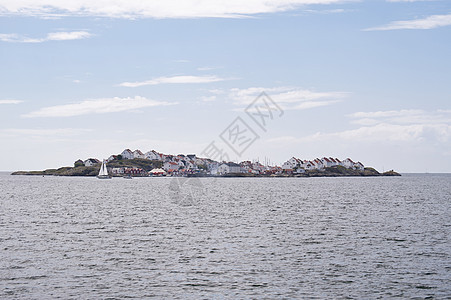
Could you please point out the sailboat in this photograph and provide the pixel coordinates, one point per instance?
(103, 173)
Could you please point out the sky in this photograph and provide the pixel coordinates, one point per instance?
(369, 80)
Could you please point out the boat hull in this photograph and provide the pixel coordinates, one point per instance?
(103, 176)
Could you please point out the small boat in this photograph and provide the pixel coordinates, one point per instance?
(128, 176)
(103, 173)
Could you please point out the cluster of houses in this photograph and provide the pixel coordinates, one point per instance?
(172, 164)
(87, 163)
(191, 164)
(180, 165)
(296, 165)
(292, 166)
(129, 171)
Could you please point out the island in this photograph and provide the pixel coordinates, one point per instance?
(152, 163)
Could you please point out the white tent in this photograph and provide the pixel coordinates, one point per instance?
(157, 171)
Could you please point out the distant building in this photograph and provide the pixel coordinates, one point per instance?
(318, 164)
(79, 163)
(300, 170)
(333, 162)
(118, 171)
(171, 166)
(127, 154)
(359, 166)
(134, 171)
(138, 154)
(327, 163)
(111, 158)
(229, 167)
(153, 155)
(291, 164)
(91, 162)
(348, 163)
(307, 165)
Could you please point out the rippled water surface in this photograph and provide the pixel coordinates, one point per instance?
(321, 238)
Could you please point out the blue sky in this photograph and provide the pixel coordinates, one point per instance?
(368, 80)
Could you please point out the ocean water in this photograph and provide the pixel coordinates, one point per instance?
(229, 238)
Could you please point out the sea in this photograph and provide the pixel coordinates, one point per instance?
(225, 238)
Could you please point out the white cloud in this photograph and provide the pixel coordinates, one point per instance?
(380, 133)
(64, 36)
(43, 132)
(405, 116)
(381, 126)
(207, 68)
(174, 79)
(10, 101)
(15, 38)
(393, 132)
(429, 22)
(152, 9)
(313, 104)
(217, 91)
(95, 106)
(326, 11)
(289, 98)
(408, 0)
(52, 36)
(389, 113)
(208, 98)
(400, 128)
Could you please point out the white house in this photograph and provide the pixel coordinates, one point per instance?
(181, 163)
(359, 166)
(287, 166)
(212, 166)
(256, 166)
(294, 161)
(90, 162)
(189, 165)
(291, 163)
(191, 156)
(200, 161)
(153, 155)
(117, 170)
(138, 154)
(318, 164)
(127, 154)
(170, 165)
(308, 165)
(112, 157)
(229, 167)
(333, 162)
(348, 163)
(327, 163)
(246, 166)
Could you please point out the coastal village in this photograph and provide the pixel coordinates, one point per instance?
(185, 165)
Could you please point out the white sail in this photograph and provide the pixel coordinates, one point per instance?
(103, 170)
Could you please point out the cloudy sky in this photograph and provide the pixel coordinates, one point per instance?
(368, 79)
